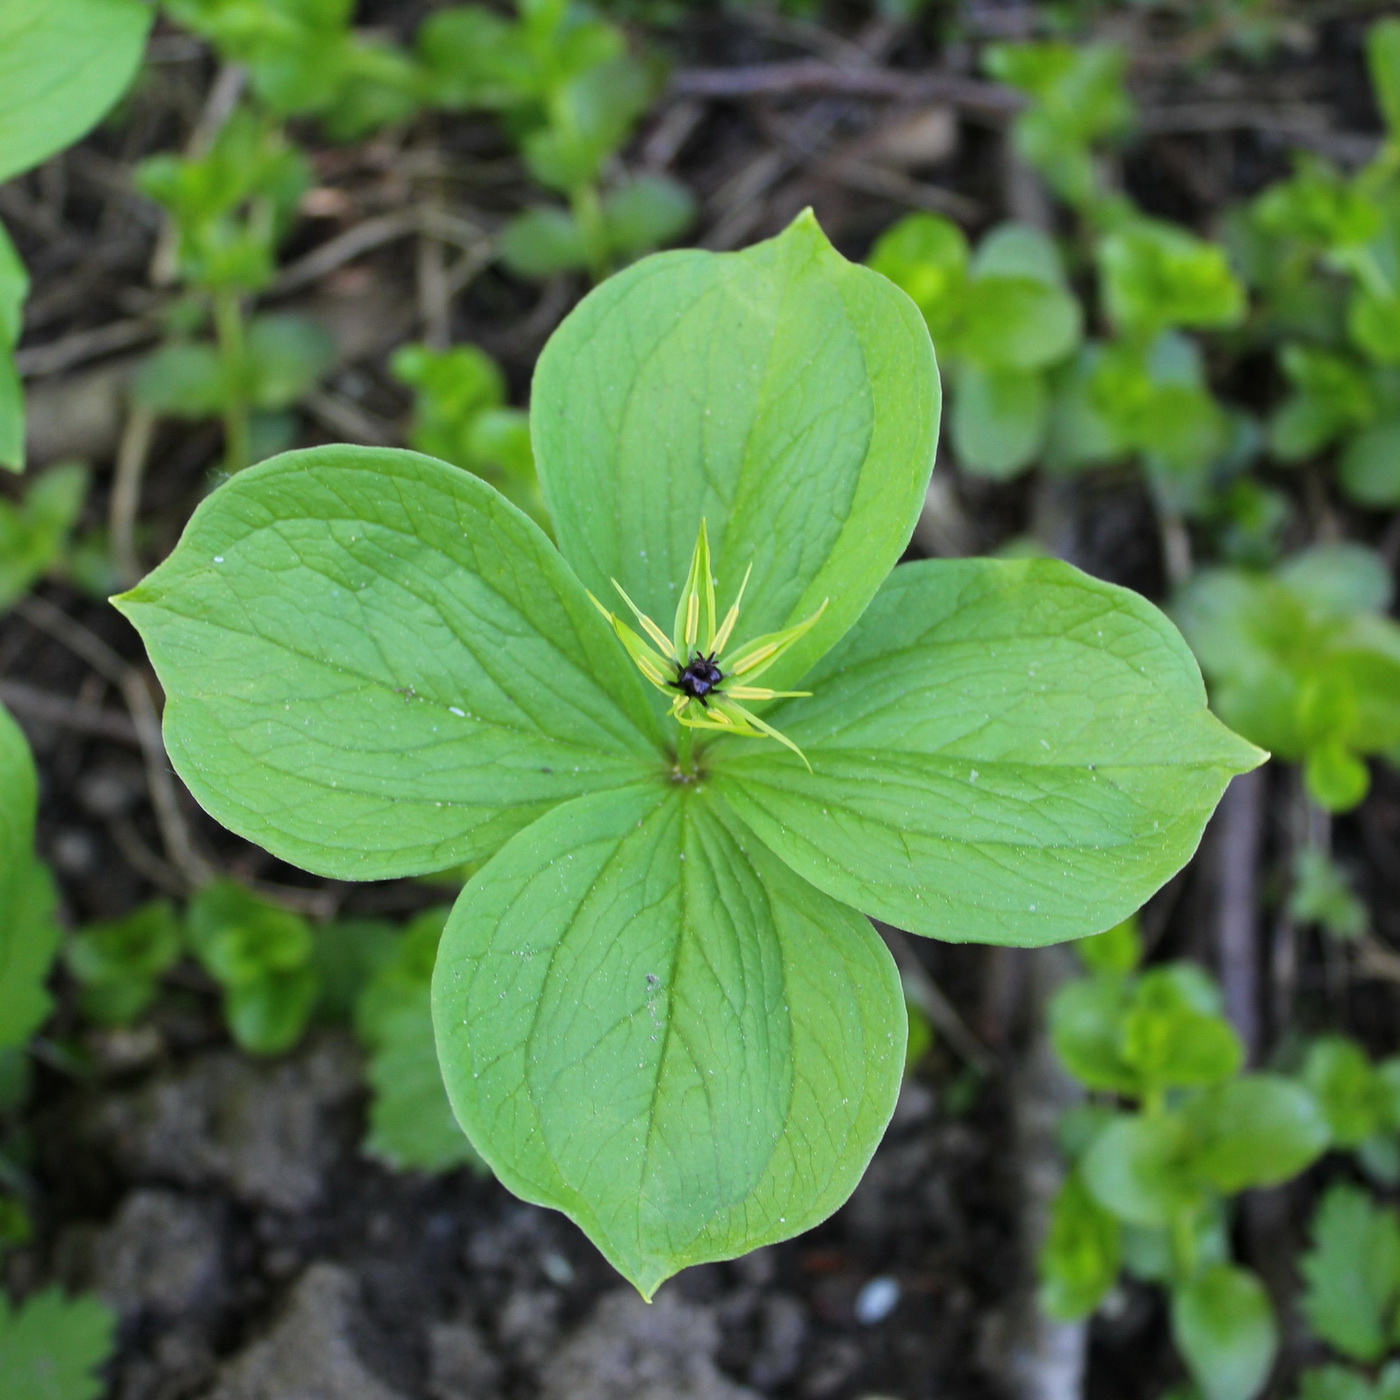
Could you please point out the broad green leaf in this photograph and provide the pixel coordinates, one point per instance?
(1140, 1169)
(1082, 1252)
(1257, 1130)
(784, 396)
(1224, 1325)
(63, 63)
(378, 667)
(646, 1021)
(52, 1346)
(998, 419)
(411, 1125)
(1002, 751)
(1352, 1274)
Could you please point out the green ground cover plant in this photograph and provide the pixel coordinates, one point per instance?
(1157, 1168)
(63, 63)
(231, 206)
(656, 1006)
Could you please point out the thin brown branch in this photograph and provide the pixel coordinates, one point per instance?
(772, 80)
(926, 994)
(48, 707)
(140, 702)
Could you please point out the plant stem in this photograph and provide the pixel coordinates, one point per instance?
(588, 213)
(233, 351)
(685, 753)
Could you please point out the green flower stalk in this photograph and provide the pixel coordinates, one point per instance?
(710, 681)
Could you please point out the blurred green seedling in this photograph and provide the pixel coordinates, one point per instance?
(230, 208)
(263, 958)
(1001, 318)
(1304, 660)
(411, 1124)
(304, 59)
(1360, 1099)
(53, 1346)
(1323, 895)
(1351, 1295)
(460, 416)
(570, 95)
(35, 530)
(1078, 102)
(1156, 1166)
(118, 964)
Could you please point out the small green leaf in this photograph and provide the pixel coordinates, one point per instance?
(1016, 323)
(267, 1014)
(1080, 1259)
(1086, 1023)
(1334, 1383)
(543, 242)
(646, 213)
(1369, 467)
(1002, 751)
(378, 667)
(53, 1346)
(1338, 1074)
(411, 1126)
(1117, 949)
(1352, 1273)
(1257, 1130)
(184, 379)
(34, 533)
(1373, 321)
(1140, 1169)
(287, 354)
(1158, 276)
(998, 420)
(783, 395)
(117, 963)
(647, 1022)
(63, 63)
(1171, 1043)
(1224, 1325)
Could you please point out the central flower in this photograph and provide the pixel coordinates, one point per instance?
(711, 681)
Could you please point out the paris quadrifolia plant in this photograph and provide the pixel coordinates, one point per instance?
(660, 1006)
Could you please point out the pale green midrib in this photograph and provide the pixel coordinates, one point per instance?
(685, 877)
